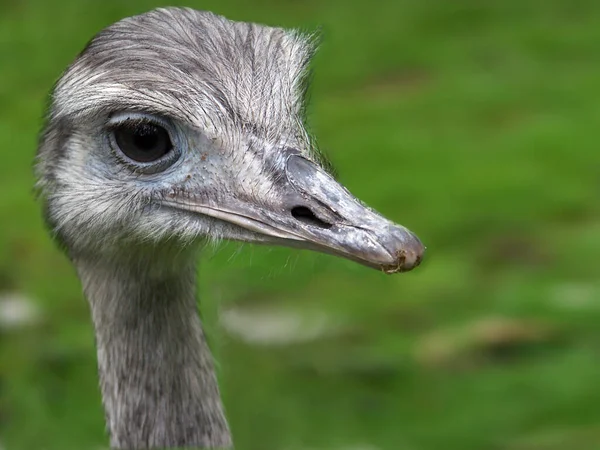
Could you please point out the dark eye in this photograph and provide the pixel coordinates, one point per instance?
(142, 142)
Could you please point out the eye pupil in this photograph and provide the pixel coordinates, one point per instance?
(142, 142)
(146, 137)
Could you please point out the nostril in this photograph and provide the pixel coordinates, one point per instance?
(305, 215)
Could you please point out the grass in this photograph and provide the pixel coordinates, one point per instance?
(473, 123)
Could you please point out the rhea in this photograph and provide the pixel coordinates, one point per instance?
(171, 129)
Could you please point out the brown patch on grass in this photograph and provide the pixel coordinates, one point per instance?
(487, 340)
(513, 248)
(558, 439)
(406, 318)
(503, 119)
(401, 81)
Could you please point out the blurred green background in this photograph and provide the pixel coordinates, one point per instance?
(474, 123)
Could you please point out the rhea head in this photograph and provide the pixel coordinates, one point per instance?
(177, 126)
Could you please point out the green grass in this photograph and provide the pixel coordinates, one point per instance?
(473, 123)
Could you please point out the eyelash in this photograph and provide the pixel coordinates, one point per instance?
(133, 118)
(112, 126)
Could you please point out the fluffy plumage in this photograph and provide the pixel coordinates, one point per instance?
(239, 165)
(231, 91)
(232, 86)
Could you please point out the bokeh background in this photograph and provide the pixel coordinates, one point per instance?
(474, 123)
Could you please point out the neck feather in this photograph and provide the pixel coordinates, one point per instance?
(156, 371)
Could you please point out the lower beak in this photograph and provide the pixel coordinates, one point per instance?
(315, 212)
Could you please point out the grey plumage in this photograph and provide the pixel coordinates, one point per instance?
(229, 79)
(226, 77)
(238, 164)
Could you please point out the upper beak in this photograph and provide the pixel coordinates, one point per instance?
(317, 213)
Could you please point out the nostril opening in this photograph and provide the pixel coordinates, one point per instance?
(305, 215)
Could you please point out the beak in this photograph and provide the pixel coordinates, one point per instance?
(315, 212)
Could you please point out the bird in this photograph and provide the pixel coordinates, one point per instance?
(171, 130)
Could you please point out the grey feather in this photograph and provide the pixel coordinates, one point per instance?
(238, 164)
(237, 85)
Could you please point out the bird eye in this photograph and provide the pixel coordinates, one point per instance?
(142, 141)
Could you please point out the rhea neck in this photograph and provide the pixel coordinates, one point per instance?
(157, 377)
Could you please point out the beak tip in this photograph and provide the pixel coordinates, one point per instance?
(406, 259)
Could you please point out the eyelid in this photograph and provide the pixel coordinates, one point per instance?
(122, 118)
